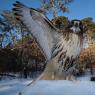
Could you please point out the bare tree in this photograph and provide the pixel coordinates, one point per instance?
(55, 6)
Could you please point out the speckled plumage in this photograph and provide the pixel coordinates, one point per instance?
(61, 49)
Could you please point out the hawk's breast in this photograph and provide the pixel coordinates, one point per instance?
(67, 50)
(70, 44)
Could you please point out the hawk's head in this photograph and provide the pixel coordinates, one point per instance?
(77, 26)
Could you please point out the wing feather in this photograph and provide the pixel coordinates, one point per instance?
(39, 26)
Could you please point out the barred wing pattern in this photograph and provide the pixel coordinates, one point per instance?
(63, 48)
(39, 26)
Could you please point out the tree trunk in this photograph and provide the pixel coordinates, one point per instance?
(91, 70)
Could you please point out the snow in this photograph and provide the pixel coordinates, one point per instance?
(12, 87)
(61, 87)
(48, 87)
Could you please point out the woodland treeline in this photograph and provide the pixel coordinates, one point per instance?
(19, 51)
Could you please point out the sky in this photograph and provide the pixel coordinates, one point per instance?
(79, 9)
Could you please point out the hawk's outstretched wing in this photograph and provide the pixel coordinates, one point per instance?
(38, 25)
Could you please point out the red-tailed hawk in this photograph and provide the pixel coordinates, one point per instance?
(61, 49)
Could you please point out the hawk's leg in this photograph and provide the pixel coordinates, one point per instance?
(51, 72)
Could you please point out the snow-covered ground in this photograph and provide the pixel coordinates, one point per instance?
(61, 87)
(45, 87)
(12, 87)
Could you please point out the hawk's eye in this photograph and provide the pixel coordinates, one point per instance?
(72, 23)
(80, 23)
